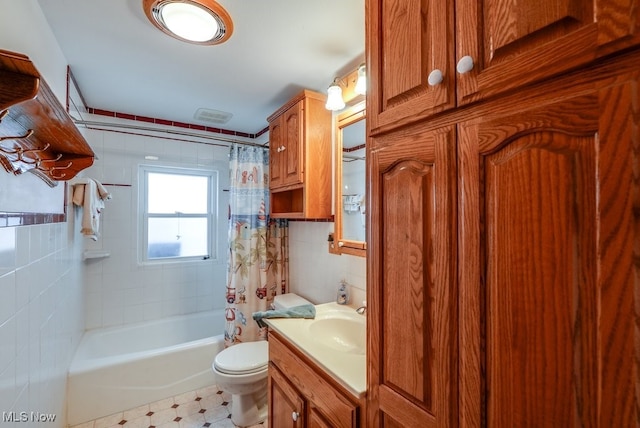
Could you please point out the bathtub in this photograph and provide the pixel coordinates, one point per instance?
(120, 368)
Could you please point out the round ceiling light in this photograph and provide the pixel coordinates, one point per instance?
(203, 22)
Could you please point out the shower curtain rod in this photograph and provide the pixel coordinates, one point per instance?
(226, 140)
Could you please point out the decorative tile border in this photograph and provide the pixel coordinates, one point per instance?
(165, 122)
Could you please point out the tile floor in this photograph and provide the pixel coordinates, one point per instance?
(208, 407)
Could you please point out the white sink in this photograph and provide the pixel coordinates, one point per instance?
(335, 339)
(340, 333)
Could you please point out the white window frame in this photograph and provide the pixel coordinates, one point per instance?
(212, 207)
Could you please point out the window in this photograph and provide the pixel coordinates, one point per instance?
(177, 221)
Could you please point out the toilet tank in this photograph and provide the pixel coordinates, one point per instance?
(288, 300)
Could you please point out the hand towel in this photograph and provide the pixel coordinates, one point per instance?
(90, 195)
(302, 311)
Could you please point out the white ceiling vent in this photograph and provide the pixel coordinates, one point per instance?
(212, 116)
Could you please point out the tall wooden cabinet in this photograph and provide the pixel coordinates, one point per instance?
(300, 158)
(503, 278)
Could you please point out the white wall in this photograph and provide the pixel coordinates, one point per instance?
(120, 290)
(41, 295)
(315, 273)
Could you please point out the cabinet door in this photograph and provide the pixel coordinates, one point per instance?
(276, 142)
(316, 420)
(292, 156)
(549, 275)
(286, 406)
(412, 338)
(513, 43)
(407, 40)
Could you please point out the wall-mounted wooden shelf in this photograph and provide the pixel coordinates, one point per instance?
(36, 133)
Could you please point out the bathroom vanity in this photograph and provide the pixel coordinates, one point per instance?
(317, 369)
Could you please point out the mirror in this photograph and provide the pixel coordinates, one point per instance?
(350, 191)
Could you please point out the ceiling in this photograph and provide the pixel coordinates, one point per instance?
(122, 63)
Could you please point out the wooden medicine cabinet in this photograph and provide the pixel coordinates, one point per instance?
(300, 158)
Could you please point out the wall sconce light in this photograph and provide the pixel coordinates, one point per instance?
(334, 96)
(361, 83)
(202, 22)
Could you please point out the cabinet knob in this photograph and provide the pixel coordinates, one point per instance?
(295, 416)
(340, 244)
(435, 77)
(465, 64)
(283, 148)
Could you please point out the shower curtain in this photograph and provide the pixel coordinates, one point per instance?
(258, 267)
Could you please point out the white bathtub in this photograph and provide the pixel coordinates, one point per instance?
(120, 368)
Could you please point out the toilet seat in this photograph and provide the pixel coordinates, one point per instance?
(243, 358)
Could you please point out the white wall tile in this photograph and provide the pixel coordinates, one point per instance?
(8, 296)
(160, 290)
(43, 254)
(8, 250)
(8, 385)
(93, 310)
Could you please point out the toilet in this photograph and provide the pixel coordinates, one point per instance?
(241, 370)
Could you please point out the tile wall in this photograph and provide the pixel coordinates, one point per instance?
(41, 318)
(41, 290)
(120, 289)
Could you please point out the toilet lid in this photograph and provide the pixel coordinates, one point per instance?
(245, 358)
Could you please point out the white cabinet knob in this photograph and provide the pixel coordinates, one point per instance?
(435, 77)
(465, 64)
(283, 148)
(340, 244)
(295, 416)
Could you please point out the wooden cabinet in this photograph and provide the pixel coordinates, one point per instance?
(411, 280)
(300, 158)
(510, 44)
(303, 395)
(548, 282)
(503, 277)
(285, 136)
(286, 405)
(407, 41)
(516, 43)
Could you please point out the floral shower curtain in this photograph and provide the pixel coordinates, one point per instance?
(258, 266)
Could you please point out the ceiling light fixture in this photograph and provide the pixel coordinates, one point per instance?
(361, 83)
(202, 22)
(334, 97)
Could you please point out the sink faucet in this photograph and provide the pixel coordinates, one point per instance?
(362, 309)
